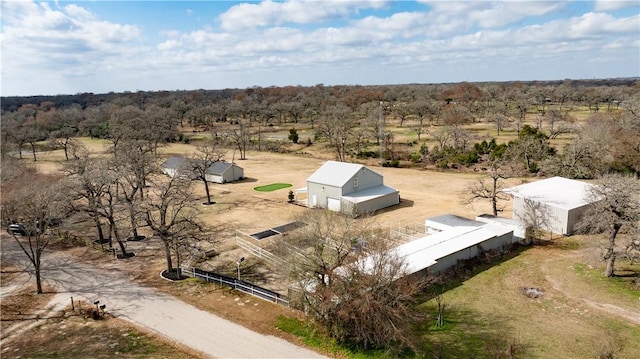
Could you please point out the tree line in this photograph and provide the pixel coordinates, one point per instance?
(359, 122)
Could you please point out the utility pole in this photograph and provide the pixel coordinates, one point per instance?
(381, 133)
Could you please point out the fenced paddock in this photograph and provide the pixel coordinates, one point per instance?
(234, 283)
(407, 232)
(248, 243)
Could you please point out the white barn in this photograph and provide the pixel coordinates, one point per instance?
(219, 172)
(558, 202)
(349, 188)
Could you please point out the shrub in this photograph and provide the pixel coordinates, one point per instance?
(365, 154)
(293, 135)
(391, 163)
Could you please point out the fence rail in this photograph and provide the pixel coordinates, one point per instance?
(234, 283)
(258, 251)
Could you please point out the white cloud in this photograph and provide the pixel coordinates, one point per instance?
(36, 34)
(51, 49)
(612, 5)
(491, 14)
(269, 13)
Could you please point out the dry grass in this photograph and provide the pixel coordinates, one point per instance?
(78, 337)
(487, 307)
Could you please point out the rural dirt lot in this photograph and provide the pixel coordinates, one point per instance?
(240, 208)
(424, 194)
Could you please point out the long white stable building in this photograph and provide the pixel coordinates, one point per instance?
(451, 239)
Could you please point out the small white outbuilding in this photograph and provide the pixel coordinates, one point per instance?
(557, 203)
(219, 172)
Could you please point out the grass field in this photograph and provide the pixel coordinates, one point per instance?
(272, 187)
(488, 312)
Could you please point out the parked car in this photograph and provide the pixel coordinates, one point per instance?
(17, 228)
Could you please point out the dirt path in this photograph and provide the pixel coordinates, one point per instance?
(632, 316)
(158, 312)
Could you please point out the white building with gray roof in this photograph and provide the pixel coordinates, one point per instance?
(349, 188)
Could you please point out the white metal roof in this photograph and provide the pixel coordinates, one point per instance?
(450, 220)
(369, 194)
(558, 191)
(426, 251)
(333, 173)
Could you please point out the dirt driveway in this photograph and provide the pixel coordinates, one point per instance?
(158, 312)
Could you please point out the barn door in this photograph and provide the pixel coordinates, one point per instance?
(333, 204)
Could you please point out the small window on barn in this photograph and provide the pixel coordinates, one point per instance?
(355, 182)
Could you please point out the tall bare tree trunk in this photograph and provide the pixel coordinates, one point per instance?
(206, 189)
(610, 256)
(132, 218)
(167, 252)
(33, 150)
(116, 235)
(494, 196)
(96, 220)
(38, 280)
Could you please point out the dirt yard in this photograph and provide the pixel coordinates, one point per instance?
(239, 207)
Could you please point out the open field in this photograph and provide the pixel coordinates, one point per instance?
(578, 315)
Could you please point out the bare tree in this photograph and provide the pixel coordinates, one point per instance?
(133, 167)
(424, 109)
(31, 202)
(489, 187)
(109, 206)
(353, 285)
(240, 136)
(443, 137)
(63, 126)
(336, 127)
(86, 187)
(615, 210)
(208, 153)
(172, 216)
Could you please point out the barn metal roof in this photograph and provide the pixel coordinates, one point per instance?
(369, 194)
(450, 220)
(557, 191)
(217, 168)
(335, 174)
(426, 251)
(174, 163)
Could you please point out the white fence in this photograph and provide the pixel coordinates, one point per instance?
(257, 250)
(234, 283)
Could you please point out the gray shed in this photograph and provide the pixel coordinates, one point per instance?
(219, 172)
(349, 188)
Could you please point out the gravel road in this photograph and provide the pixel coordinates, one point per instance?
(159, 312)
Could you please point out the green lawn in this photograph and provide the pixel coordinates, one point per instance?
(272, 187)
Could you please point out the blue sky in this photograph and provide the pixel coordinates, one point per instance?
(68, 47)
